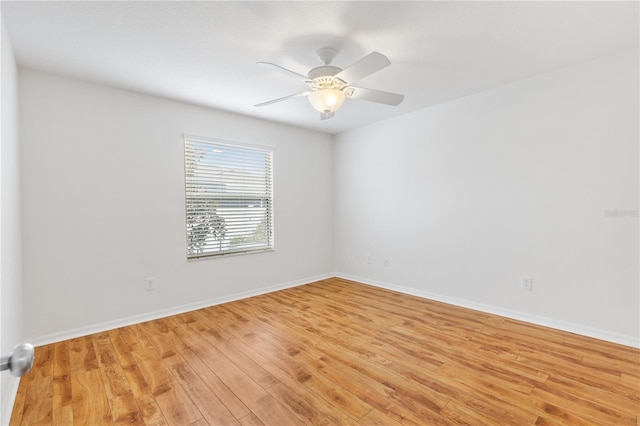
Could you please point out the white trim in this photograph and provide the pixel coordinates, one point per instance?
(136, 319)
(632, 341)
(9, 400)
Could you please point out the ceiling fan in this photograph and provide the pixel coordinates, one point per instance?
(329, 86)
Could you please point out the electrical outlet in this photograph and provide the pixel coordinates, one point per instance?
(149, 284)
(369, 259)
(526, 283)
(386, 262)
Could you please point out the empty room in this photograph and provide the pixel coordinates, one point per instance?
(328, 212)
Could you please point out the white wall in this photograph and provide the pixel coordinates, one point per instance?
(103, 206)
(463, 198)
(467, 197)
(11, 326)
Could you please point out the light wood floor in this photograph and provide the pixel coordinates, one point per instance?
(332, 352)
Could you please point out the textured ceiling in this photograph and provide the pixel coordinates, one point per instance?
(205, 52)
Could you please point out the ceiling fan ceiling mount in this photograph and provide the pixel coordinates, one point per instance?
(327, 54)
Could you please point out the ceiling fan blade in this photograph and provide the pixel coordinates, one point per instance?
(273, 101)
(326, 115)
(285, 71)
(366, 66)
(378, 96)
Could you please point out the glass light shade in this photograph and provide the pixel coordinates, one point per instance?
(327, 100)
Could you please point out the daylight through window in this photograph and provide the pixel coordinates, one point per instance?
(229, 201)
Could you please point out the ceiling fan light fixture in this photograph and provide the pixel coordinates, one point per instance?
(327, 100)
(329, 85)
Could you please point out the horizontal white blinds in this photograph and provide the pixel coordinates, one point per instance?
(229, 200)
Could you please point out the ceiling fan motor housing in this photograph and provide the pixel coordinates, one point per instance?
(324, 71)
(322, 78)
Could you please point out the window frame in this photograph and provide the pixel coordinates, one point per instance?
(267, 197)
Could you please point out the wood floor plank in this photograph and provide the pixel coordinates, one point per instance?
(376, 418)
(201, 422)
(122, 348)
(329, 410)
(630, 405)
(303, 366)
(304, 409)
(212, 409)
(19, 404)
(554, 415)
(43, 361)
(251, 420)
(241, 339)
(262, 404)
(176, 406)
(295, 367)
(82, 356)
(630, 380)
(125, 411)
(90, 403)
(61, 361)
(62, 400)
(162, 346)
(332, 352)
(217, 386)
(38, 407)
(380, 395)
(139, 386)
(124, 408)
(463, 414)
(113, 376)
(246, 364)
(597, 412)
(151, 412)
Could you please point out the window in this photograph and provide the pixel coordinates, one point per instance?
(229, 200)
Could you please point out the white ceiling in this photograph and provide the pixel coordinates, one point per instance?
(205, 52)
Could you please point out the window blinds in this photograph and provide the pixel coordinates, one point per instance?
(229, 198)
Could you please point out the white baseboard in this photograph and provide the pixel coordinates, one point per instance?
(9, 399)
(148, 316)
(632, 341)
